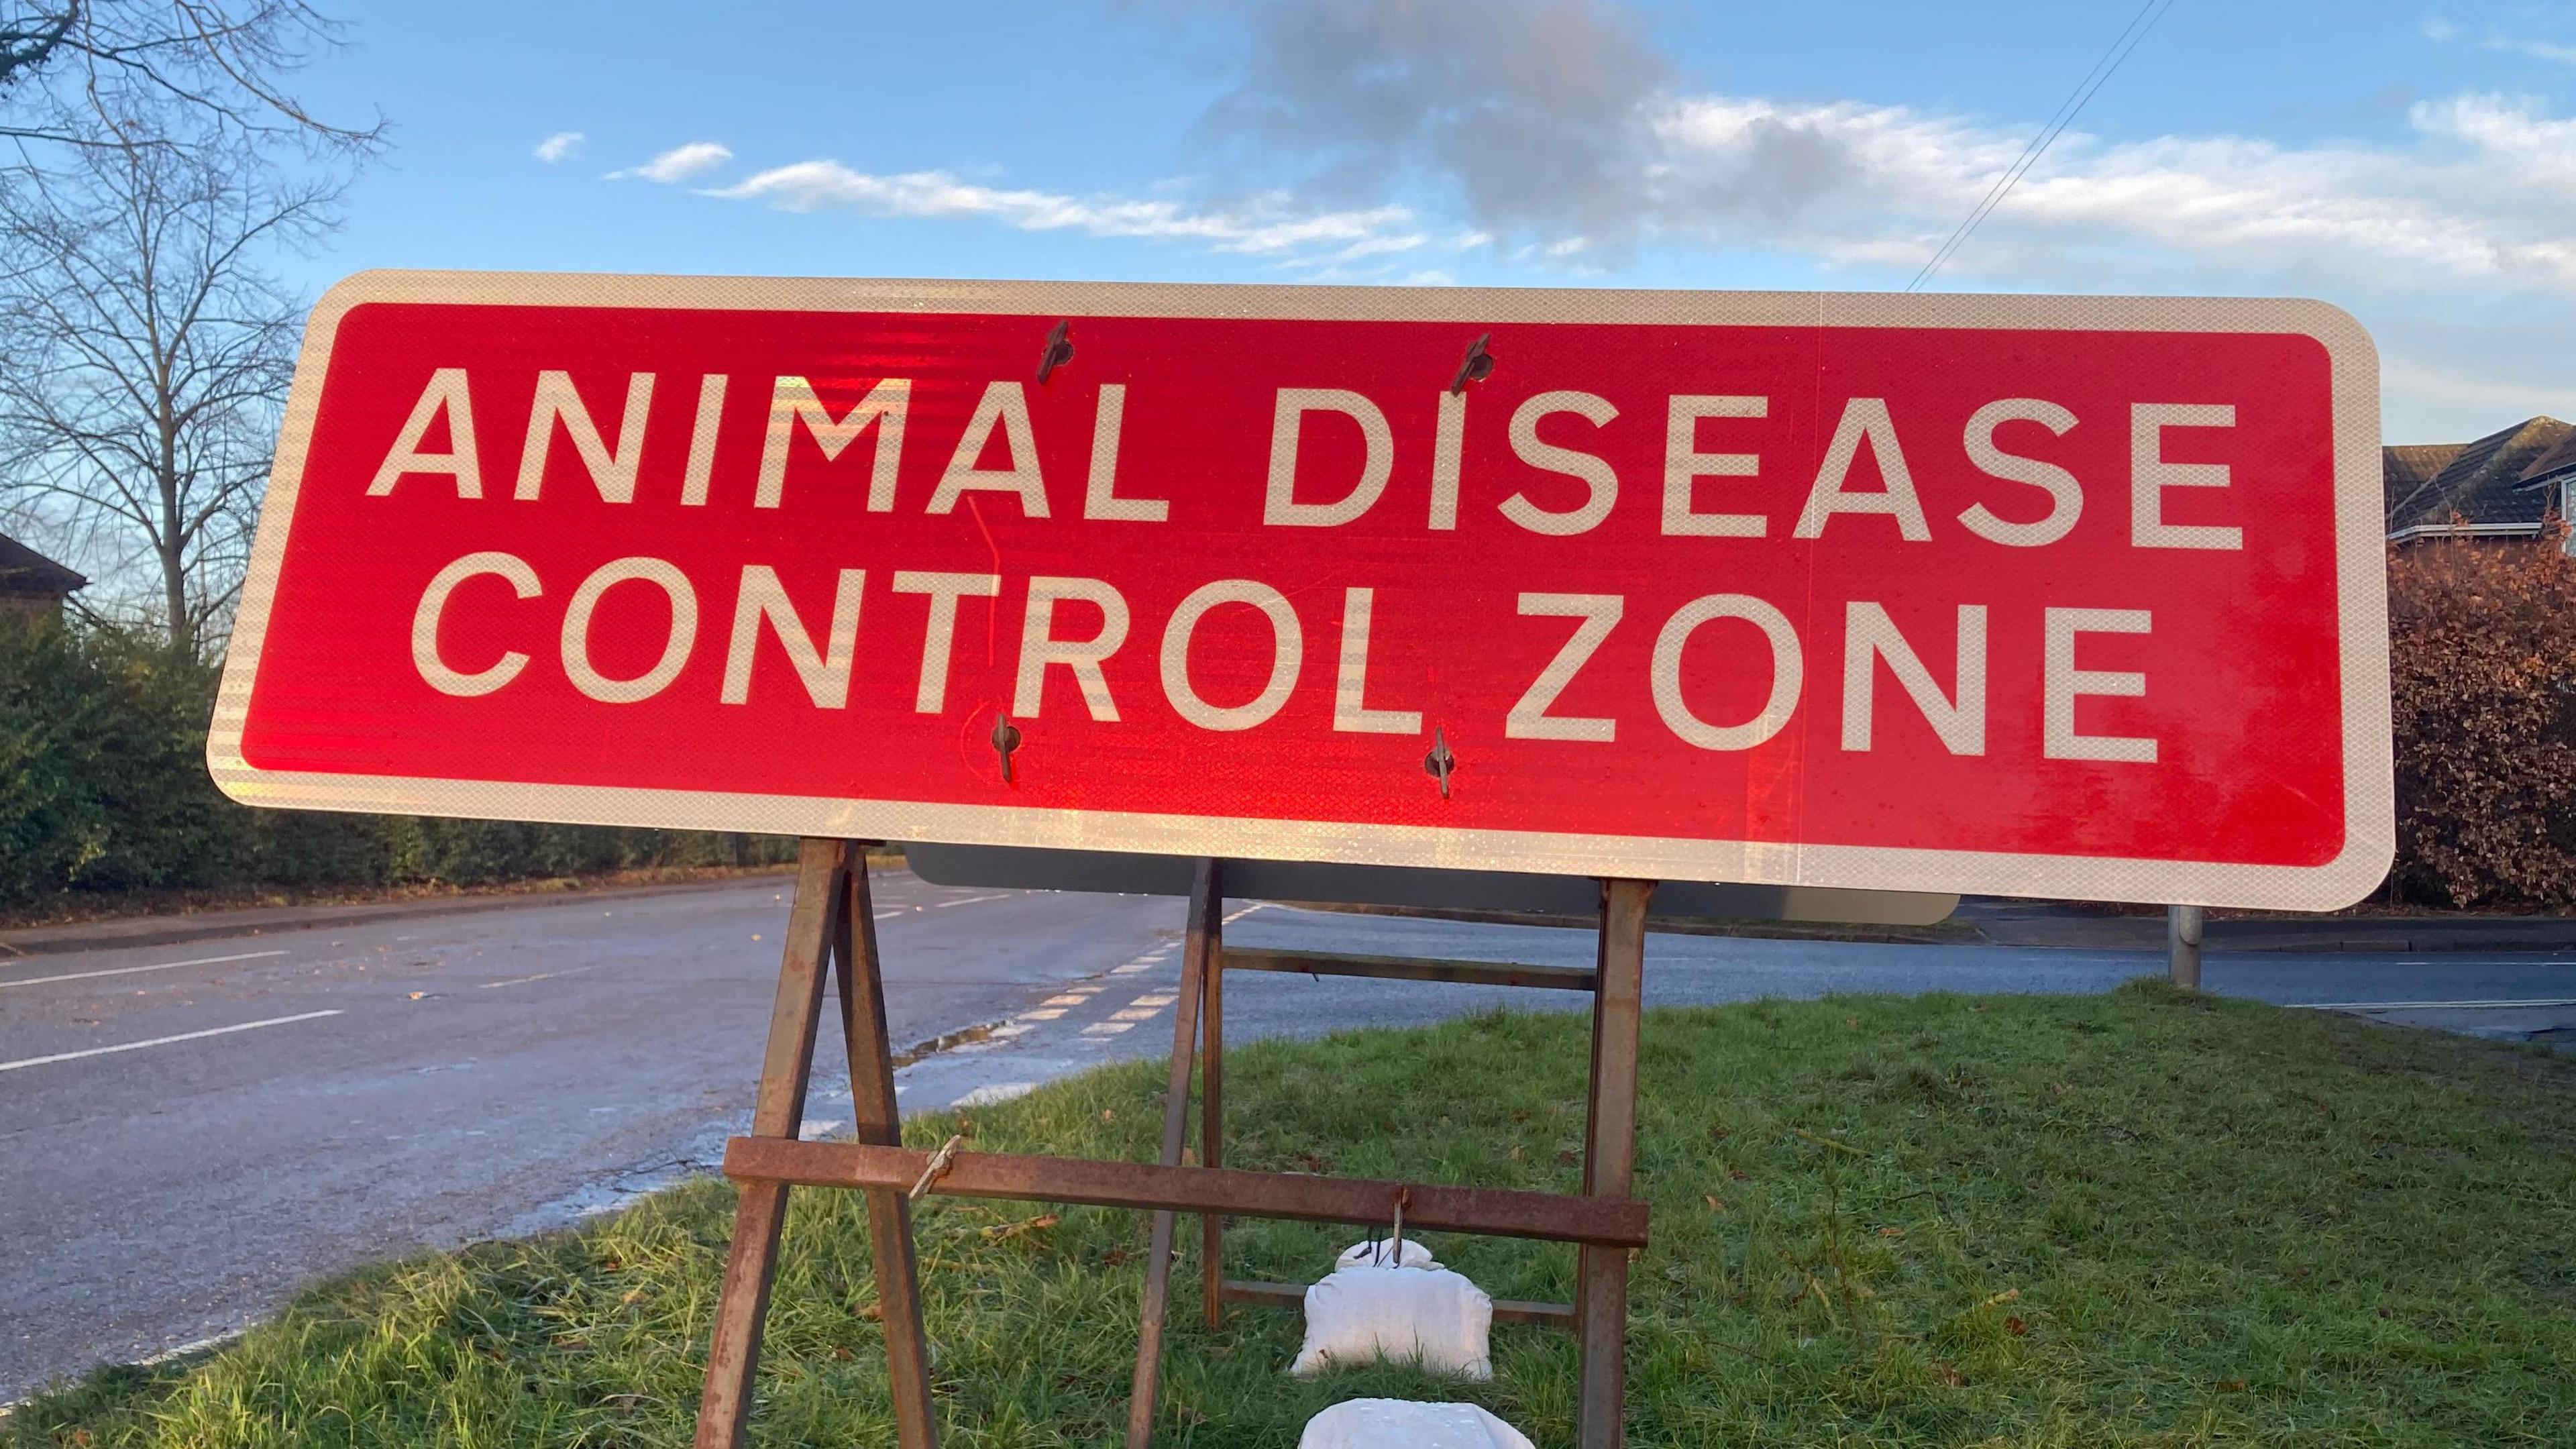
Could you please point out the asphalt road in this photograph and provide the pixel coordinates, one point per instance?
(188, 1133)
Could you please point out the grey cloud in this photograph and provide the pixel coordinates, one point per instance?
(1538, 112)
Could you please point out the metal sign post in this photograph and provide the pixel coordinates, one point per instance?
(831, 923)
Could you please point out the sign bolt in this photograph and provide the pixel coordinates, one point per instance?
(1440, 763)
(1058, 351)
(1478, 366)
(1006, 738)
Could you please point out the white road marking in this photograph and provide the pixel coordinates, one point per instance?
(2539, 1003)
(1108, 1028)
(130, 970)
(971, 901)
(540, 976)
(1155, 999)
(1248, 910)
(136, 1046)
(1049, 1014)
(1136, 1013)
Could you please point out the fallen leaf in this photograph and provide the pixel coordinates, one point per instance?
(1715, 1203)
(2231, 1386)
(633, 1295)
(1738, 1173)
(417, 995)
(1569, 1158)
(1004, 1232)
(2016, 1327)
(755, 935)
(842, 1353)
(1891, 1232)
(1106, 1115)
(873, 1313)
(1949, 1375)
(1116, 1257)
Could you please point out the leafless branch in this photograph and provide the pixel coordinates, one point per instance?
(145, 349)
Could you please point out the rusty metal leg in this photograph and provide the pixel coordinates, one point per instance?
(734, 1355)
(1212, 1121)
(861, 984)
(1206, 905)
(1610, 1147)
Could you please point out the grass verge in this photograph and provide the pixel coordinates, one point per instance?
(2140, 1219)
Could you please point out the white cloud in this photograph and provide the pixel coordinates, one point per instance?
(559, 146)
(2449, 238)
(1260, 225)
(2479, 197)
(679, 163)
(2536, 49)
(2439, 30)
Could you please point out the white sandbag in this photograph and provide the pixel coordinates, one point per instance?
(1374, 1255)
(1429, 1316)
(1400, 1424)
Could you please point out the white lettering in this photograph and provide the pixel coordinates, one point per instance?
(1039, 647)
(1869, 634)
(1683, 462)
(702, 440)
(2150, 475)
(446, 392)
(1280, 506)
(792, 399)
(1596, 473)
(1864, 417)
(2065, 495)
(1100, 495)
(675, 646)
(1787, 672)
(1529, 719)
(1287, 654)
(1006, 404)
(939, 634)
(611, 472)
(1350, 685)
(433, 603)
(2063, 682)
(1448, 445)
(825, 672)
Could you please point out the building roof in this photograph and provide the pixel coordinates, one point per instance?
(2487, 485)
(2554, 464)
(27, 574)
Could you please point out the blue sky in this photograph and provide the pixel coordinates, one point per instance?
(2414, 164)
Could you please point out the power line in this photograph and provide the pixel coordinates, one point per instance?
(2128, 39)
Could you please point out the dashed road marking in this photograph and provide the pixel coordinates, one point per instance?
(2532, 1005)
(971, 901)
(131, 970)
(136, 1046)
(540, 976)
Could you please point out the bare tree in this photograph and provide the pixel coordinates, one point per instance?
(148, 351)
(219, 63)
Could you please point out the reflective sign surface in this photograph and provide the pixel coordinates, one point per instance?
(2028, 595)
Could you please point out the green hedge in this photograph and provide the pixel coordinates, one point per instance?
(103, 787)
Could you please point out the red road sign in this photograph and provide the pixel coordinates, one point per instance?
(2040, 595)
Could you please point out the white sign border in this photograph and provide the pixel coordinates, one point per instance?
(2369, 844)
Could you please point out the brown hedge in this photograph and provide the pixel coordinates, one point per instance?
(2482, 662)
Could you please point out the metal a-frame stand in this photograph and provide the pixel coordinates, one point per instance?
(831, 923)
